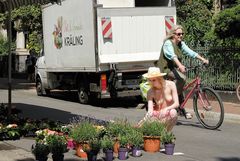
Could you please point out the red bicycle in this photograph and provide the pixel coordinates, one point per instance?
(207, 104)
(238, 91)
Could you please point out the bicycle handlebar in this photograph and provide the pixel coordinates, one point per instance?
(198, 66)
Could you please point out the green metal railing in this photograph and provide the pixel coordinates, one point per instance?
(223, 72)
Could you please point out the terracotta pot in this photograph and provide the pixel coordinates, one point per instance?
(116, 146)
(79, 150)
(152, 143)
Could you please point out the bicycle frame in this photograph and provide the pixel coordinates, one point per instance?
(196, 83)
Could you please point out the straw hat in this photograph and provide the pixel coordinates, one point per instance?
(153, 72)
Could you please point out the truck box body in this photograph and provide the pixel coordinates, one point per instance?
(85, 40)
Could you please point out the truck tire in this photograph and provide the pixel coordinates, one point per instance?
(83, 95)
(39, 88)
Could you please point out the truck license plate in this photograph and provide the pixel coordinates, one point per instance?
(131, 82)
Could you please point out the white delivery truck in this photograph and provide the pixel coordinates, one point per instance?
(100, 48)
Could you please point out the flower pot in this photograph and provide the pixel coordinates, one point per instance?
(41, 158)
(152, 143)
(116, 146)
(58, 157)
(122, 153)
(169, 149)
(92, 156)
(79, 151)
(136, 152)
(109, 155)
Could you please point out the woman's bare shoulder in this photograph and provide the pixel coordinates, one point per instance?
(170, 83)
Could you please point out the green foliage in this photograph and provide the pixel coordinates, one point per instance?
(3, 45)
(118, 127)
(168, 137)
(34, 42)
(84, 132)
(13, 133)
(3, 18)
(227, 23)
(30, 17)
(107, 143)
(123, 141)
(57, 144)
(40, 150)
(135, 137)
(195, 17)
(154, 128)
(94, 146)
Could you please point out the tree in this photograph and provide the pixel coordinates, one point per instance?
(227, 24)
(195, 17)
(3, 45)
(29, 19)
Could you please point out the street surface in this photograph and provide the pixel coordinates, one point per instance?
(194, 143)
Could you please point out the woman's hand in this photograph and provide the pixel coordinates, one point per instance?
(182, 68)
(205, 61)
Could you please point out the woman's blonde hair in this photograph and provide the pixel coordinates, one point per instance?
(171, 33)
(161, 81)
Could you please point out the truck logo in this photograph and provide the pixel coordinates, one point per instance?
(57, 33)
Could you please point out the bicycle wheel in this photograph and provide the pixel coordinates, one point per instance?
(238, 92)
(208, 108)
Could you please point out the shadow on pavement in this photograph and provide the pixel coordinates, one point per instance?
(189, 123)
(126, 102)
(27, 159)
(229, 159)
(16, 84)
(40, 112)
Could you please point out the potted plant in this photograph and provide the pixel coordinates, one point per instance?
(3, 133)
(40, 150)
(116, 128)
(169, 139)
(107, 146)
(82, 133)
(29, 128)
(57, 145)
(152, 132)
(136, 141)
(123, 149)
(13, 131)
(92, 149)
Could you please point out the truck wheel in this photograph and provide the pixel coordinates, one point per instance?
(83, 96)
(39, 88)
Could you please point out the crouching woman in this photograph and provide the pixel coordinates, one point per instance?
(162, 99)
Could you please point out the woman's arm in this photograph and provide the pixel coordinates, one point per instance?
(205, 61)
(150, 101)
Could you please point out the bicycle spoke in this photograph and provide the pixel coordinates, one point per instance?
(208, 108)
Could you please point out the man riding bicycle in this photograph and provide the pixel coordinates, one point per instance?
(170, 61)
